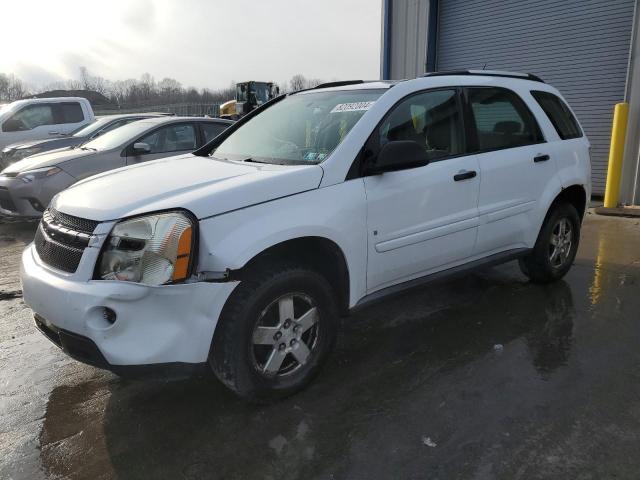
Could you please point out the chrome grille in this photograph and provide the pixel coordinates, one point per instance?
(61, 239)
(57, 255)
(69, 221)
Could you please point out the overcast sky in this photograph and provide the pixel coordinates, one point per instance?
(201, 43)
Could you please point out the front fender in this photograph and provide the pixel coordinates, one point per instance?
(231, 240)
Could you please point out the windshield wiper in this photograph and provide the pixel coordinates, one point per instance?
(253, 160)
(89, 148)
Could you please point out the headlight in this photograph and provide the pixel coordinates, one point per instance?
(31, 175)
(25, 152)
(153, 250)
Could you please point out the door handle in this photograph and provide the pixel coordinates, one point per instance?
(53, 132)
(464, 175)
(541, 158)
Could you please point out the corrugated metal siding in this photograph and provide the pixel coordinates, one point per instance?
(580, 47)
(409, 22)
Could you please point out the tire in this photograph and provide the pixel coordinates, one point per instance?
(245, 352)
(540, 265)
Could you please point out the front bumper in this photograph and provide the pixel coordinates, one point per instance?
(19, 199)
(154, 325)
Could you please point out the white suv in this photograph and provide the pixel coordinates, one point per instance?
(245, 254)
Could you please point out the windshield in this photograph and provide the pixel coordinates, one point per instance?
(89, 129)
(115, 138)
(262, 92)
(8, 107)
(303, 128)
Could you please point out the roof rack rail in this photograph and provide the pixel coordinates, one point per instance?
(488, 73)
(340, 83)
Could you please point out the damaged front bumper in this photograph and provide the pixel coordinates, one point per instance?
(118, 324)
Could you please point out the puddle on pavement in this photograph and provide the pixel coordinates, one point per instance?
(380, 377)
(499, 374)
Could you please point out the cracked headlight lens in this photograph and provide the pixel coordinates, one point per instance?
(153, 249)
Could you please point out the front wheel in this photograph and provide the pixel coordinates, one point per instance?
(275, 332)
(556, 246)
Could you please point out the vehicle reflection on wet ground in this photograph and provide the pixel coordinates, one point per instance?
(486, 376)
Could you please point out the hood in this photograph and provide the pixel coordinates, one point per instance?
(202, 185)
(47, 159)
(48, 143)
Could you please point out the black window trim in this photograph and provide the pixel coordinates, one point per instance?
(472, 129)
(572, 116)
(357, 167)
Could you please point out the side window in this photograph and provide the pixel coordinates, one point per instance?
(172, 138)
(29, 118)
(212, 130)
(558, 112)
(502, 119)
(431, 119)
(70, 112)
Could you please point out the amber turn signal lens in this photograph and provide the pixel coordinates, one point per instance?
(181, 267)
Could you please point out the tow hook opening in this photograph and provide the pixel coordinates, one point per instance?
(109, 315)
(216, 277)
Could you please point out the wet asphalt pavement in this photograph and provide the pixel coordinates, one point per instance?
(483, 377)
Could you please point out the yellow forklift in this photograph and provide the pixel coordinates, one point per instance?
(249, 95)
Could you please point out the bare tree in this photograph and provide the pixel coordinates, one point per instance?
(11, 88)
(297, 82)
(142, 92)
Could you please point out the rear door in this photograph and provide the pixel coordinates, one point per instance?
(166, 141)
(516, 165)
(68, 117)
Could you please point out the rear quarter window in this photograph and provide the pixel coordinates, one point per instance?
(70, 112)
(559, 114)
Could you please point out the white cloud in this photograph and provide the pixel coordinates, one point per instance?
(205, 43)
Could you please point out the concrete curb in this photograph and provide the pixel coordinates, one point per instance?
(618, 212)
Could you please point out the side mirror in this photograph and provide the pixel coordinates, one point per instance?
(399, 155)
(140, 148)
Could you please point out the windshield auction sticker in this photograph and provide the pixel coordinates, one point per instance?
(352, 107)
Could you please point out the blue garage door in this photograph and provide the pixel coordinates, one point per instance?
(580, 47)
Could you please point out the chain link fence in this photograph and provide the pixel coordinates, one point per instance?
(180, 109)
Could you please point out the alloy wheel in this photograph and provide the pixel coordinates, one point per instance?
(285, 336)
(560, 243)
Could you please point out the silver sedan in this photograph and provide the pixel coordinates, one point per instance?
(27, 186)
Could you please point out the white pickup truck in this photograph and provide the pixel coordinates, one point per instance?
(38, 118)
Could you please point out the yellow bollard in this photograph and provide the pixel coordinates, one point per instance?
(614, 171)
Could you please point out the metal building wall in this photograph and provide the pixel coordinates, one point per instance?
(406, 38)
(630, 184)
(580, 47)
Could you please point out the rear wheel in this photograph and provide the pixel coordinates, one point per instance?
(275, 332)
(556, 246)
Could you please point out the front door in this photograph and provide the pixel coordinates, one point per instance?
(423, 219)
(32, 122)
(172, 139)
